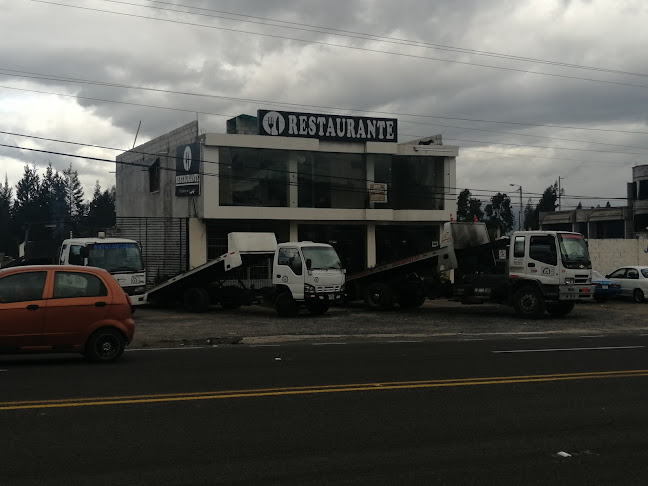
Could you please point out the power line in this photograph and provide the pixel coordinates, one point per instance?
(330, 44)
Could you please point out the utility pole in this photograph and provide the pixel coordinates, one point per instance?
(520, 211)
(559, 194)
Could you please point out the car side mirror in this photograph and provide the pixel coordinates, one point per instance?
(83, 251)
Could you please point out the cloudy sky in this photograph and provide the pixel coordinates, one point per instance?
(531, 91)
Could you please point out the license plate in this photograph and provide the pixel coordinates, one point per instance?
(604, 286)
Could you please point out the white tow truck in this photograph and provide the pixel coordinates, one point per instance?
(532, 271)
(304, 274)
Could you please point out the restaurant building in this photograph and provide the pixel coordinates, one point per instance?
(342, 180)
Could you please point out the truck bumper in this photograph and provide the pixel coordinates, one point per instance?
(580, 293)
(332, 297)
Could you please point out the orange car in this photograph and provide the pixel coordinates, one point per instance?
(49, 308)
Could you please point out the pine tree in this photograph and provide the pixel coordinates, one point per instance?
(6, 234)
(74, 194)
(101, 210)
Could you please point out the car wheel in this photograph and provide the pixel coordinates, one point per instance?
(105, 346)
(638, 295)
(528, 302)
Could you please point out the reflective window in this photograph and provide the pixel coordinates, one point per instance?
(633, 273)
(330, 180)
(518, 247)
(74, 284)
(290, 257)
(620, 273)
(22, 287)
(543, 249)
(253, 177)
(75, 255)
(418, 182)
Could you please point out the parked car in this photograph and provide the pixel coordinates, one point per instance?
(604, 288)
(633, 280)
(60, 308)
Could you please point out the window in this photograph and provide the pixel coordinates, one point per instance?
(543, 249)
(154, 176)
(75, 255)
(518, 247)
(418, 182)
(632, 273)
(22, 287)
(75, 284)
(290, 257)
(620, 273)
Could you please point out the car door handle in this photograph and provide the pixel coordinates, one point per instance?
(100, 304)
(33, 307)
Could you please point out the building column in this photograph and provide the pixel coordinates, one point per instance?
(449, 185)
(294, 233)
(197, 242)
(371, 245)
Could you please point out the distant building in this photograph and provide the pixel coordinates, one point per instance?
(629, 221)
(329, 178)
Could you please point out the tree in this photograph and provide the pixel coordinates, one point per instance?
(580, 205)
(468, 208)
(101, 210)
(546, 204)
(74, 194)
(500, 216)
(26, 206)
(530, 217)
(6, 197)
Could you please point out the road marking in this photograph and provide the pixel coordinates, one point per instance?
(548, 350)
(165, 349)
(533, 337)
(311, 390)
(597, 336)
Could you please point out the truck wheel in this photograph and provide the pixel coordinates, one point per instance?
(528, 302)
(638, 295)
(379, 296)
(285, 305)
(559, 309)
(230, 297)
(317, 307)
(196, 299)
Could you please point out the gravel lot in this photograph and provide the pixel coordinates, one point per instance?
(435, 319)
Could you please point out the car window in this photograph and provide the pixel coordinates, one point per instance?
(620, 273)
(596, 275)
(22, 287)
(633, 273)
(543, 249)
(76, 284)
(644, 272)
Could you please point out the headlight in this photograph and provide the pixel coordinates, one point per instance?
(569, 281)
(309, 289)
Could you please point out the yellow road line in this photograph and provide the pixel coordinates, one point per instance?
(304, 390)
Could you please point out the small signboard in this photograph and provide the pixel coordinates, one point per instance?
(378, 192)
(187, 175)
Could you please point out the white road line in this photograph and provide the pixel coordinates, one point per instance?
(472, 339)
(165, 349)
(533, 337)
(598, 336)
(601, 348)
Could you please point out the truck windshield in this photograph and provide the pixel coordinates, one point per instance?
(322, 257)
(574, 252)
(116, 257)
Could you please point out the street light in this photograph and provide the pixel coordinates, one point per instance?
(520, 212)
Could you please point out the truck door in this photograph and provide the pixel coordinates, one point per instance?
(289, 271)
(542, 258)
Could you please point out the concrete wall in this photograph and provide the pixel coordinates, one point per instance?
(608, 255)
(133, 195)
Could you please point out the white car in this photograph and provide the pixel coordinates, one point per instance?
(633, 280)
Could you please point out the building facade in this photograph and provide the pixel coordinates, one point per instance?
(629, 221)
(325, 178)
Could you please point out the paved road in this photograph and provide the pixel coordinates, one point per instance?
(545, 410)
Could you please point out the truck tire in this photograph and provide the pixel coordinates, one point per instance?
(196, 299)
(317, 307)
(529, 302)
(230, 297)
(285, 305)
(379, 296)
(559, 309)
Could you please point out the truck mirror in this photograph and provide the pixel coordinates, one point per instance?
(309, 263)
(83, 251)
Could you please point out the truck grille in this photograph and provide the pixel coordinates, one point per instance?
(327, 288)
(581, 279)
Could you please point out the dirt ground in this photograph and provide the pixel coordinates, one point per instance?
(352, 322)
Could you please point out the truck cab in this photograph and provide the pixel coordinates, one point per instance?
(121, 257)
(307, 272)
